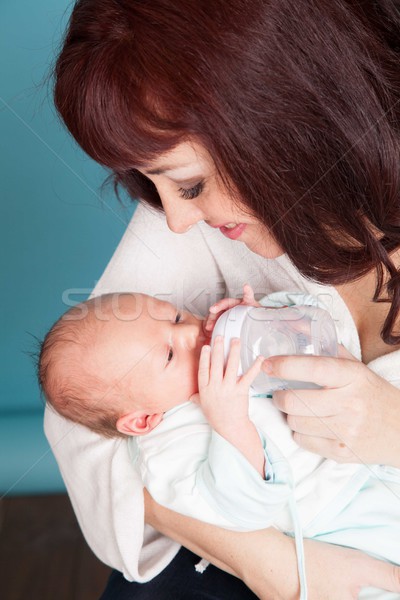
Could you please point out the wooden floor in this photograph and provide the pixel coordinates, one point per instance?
(43, 555)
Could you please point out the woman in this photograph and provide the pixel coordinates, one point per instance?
(278, 124)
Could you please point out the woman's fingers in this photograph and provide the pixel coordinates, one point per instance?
(336, 572)
(384, 576)
(333, 448)
(324, 427)
(307, 403)
(325, 371)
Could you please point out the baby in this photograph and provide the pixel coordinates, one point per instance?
(117, 363)
(133, 365)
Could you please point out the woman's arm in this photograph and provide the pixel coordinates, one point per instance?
(266, 560)
(229, 550)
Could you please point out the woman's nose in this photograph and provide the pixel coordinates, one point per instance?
(181, 215)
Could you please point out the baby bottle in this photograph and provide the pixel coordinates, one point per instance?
(273, 331)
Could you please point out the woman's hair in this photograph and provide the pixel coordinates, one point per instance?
(297, 102)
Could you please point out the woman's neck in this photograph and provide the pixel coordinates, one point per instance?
(368, 316)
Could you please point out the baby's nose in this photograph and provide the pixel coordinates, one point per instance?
(190, 337)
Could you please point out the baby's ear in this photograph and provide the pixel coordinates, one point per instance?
(138, 423)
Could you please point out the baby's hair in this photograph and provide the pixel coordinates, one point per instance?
(80, 396)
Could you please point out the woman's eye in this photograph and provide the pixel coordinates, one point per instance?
(192, 192)
(178, 318)
(170, 355)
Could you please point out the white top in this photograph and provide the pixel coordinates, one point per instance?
(191, 270)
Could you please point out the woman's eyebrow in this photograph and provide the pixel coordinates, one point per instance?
(158, 171)
(166, 168)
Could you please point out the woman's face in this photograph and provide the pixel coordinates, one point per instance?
(190, 191)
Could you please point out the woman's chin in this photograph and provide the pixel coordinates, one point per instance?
(259, 240)
(268, 249)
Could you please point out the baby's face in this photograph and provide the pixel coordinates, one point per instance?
(153, 350)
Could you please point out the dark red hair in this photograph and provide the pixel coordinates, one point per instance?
(297, 102)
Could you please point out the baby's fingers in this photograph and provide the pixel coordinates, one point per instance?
(209, 323)
(248, 295)
(232, 364)
(251, 373)
(224, 304)
(204, 367)
(217, 360)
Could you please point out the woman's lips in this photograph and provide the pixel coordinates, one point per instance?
(232, 232)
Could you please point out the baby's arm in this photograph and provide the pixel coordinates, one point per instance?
(224, 399)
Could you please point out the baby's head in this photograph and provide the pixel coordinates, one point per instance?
(117, 362)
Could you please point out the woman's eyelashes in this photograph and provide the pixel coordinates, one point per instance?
(193, 192)
(178, 317)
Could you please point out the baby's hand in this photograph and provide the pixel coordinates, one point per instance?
(223, 396)
(216, 310)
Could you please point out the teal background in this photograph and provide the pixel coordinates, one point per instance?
(57, 230)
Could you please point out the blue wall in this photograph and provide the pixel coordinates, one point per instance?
(57, 231)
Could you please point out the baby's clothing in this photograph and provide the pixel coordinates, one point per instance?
(191, 469)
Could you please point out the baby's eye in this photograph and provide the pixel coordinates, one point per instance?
(178, 317)
(170, 355)
(192, 192)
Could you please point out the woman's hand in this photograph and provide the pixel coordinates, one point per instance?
(332, 572)
(354, 418)
(337, 573)
(216, 310)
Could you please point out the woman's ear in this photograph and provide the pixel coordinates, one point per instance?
(138, 423)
